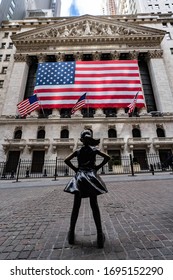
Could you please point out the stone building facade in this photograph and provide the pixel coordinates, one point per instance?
(56, 133)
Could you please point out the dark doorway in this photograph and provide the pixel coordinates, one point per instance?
(12, 161)
(37, 161)
(140, 157)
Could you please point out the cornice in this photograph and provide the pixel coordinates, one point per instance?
(87, 30)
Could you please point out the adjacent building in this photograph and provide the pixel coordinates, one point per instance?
(12, 9)
(148, 6)
(44, 5)
(39, 137)
(108, 7)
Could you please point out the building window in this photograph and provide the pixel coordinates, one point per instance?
(64, 133)
(112, 133)
(110, 112)
(18, 134)
(160, 132)
(1, 83)
(168, 36)
(11, 11)
(41, 134)
(1, 57)
(8, 17)
(3, 45)
(7, 57)
(88, 112)
(164, 24)
(6, 35)
(13, 4)
(4, 70)
(10, 46)
(65, 113)
(136, 132)
(31, 78)
(146, 84)
(171, 49)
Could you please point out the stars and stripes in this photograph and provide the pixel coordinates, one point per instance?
(28, 105)
(111, 83)
(79, 104)
(132, 105)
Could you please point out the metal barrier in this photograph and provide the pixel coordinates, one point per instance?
(54, 168)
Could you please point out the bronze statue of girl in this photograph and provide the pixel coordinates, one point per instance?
(86, 183)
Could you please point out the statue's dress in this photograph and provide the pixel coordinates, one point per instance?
(86, 181)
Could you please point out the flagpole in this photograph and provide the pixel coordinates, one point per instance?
(41, 106)
(88, 112)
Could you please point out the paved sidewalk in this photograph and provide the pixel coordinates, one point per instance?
(137, 217)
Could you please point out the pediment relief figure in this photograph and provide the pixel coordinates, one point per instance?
(87, 26)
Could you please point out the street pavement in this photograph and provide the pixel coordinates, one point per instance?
(137, 218)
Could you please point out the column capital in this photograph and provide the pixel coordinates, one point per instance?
(155, 54)
(96, 55)
(19, 57)
(41, 57)
(78, 56)
(60, 56)
(134, 54)
(115, 55)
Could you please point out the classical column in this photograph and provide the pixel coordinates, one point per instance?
(98, 112)
(17, 84)
(160, 83)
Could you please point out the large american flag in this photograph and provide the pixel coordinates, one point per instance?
(111, 83)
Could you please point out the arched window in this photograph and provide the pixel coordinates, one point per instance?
(136, 132)
(160, 132)
(112, 133)
(41, 134)
(64, 133)
(18, 134)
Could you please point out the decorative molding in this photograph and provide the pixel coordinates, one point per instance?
(115, 55)
(78, 56)
(18, 57)
(41, 57)
(96, 55)
(87, 29)
(134, 54)
(60, 56)
(155, 54)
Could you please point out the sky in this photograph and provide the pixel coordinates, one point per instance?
(80, 7)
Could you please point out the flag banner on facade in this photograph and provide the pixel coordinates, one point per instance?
(132, 105)
(28, 105)
(111, 83)
(79, 104)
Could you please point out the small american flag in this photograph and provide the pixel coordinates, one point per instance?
(28, 105)
(80, 103)
(132, 105)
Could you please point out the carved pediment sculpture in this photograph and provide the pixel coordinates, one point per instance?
(87, 28)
